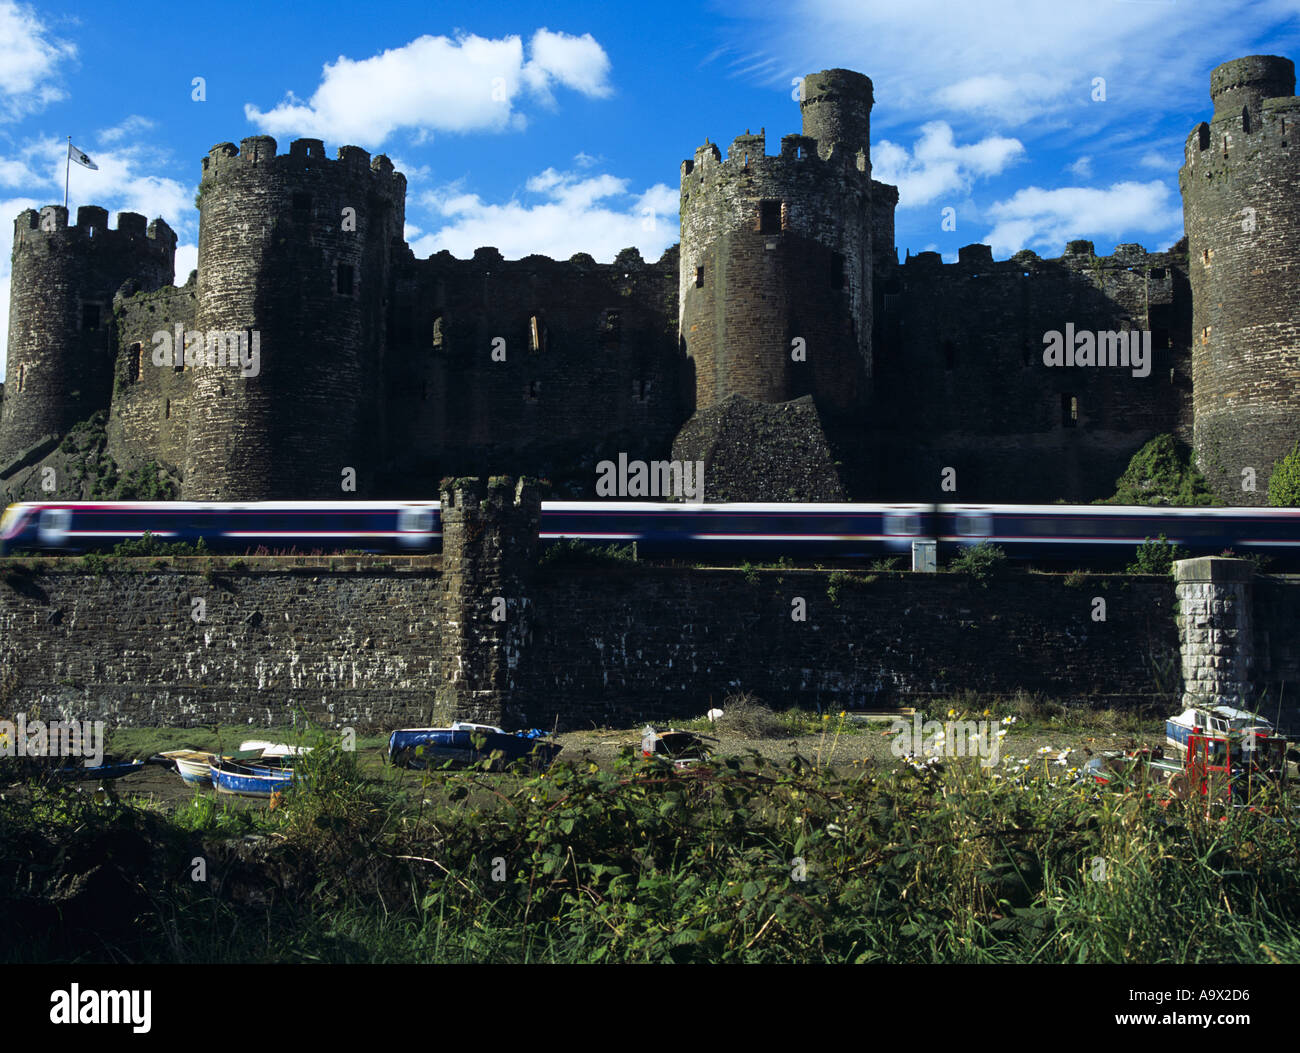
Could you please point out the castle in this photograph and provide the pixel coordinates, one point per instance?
(782, 342)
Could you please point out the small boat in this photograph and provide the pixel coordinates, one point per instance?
(683, 748)
(1218, 721)
(251, 778)
(194, 766)
(465, 744)
(272, 749)
(74, 770)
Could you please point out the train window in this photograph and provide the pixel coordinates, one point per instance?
(974, 524)
(54, 524)
(902, 523)
(415, 521)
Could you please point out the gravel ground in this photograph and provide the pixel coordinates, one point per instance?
(859, 746)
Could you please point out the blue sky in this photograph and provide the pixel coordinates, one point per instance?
(559, 128)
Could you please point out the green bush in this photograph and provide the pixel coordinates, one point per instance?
(1284, 483)
(149, 545)
(980, 561)
(1156, 557)
(573, 552)
(1161, 473)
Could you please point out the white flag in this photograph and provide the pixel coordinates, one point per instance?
(81, 158)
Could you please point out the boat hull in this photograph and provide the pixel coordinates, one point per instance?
(249, 780)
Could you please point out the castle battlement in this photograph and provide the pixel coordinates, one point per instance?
(306, 157)
(92, 222)
(1080, 255)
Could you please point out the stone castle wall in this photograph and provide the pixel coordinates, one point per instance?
(1241, 205)
(486, 633)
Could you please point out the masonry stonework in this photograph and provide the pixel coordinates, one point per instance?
(1241, 205)
(1216, 631)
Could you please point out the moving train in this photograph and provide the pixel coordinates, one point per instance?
(1095, 533)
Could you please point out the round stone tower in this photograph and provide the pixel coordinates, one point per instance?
(61, 338)
(775, 277)
(1241, 206)
(294, 255)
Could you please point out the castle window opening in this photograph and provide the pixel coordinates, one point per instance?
(699, 277)
(611, 334)
(167, 410)
(1069, 411)
(536, 333)
(1157, 273)
(533, 387)
(437, 336)
(22, 373)
(343, 285)
(90, 317)
(137, 362)
(837, 270)
(769, 217)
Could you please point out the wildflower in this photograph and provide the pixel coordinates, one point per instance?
(952, 712)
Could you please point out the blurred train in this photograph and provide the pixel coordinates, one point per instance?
(1090, 534)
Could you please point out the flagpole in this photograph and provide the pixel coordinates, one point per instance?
(67, 167)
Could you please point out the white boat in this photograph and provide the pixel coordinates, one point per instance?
(194, 766)
(1217, 721)
(272, 749)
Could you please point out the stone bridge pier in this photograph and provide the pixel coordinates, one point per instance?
(489, 561)
(1216, 631)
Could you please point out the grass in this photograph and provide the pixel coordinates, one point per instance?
(145, 742)
(745, 860)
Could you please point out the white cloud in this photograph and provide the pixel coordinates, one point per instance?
(937, 165)
(1007, 98)
(436, 84)
(593, 214)
(134, 126)
(1081, 168)
(1044, 220)
(30, 62)
(1155, 159)
(576, 62)
(187, 259)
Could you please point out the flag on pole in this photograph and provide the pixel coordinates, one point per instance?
(81, 158)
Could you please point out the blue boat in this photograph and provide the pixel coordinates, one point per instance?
(252, 779)
(464, 744)
(74, 770)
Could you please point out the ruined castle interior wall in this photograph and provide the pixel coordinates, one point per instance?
(961, 381)
(534, 365)
(150, 402)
